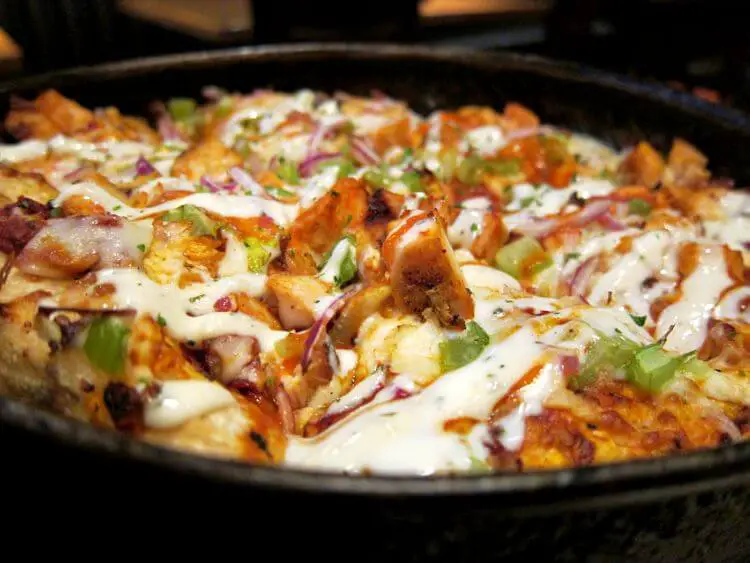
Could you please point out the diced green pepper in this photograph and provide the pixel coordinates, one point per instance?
(224, 107)
(470, 170)
(287, 171)
(448, 165)
(606, 355)
(376, 178)
(509, 167)
(638, 206)
(258, 255)
(106, 344)
(181, 109)
(652, 368)
(522, 257)
(698, 369)
(457, 352)
(413, 181)
(347, 270)
(279, 193)
(202, 223)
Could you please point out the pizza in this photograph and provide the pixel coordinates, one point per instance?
(333, 282)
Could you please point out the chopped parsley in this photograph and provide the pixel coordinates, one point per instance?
(197, 298)
(161, 320)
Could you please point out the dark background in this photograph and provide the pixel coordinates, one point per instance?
(696, 43)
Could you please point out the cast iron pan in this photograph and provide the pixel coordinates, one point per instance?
(691, 507)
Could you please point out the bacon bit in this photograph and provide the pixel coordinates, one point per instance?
(124, 405)
(224, 304)
(87, 386)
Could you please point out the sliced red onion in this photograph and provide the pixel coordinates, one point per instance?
(307, 167)
(165, 125)
(727, 426)
(524, 132)
(363, 153)
(580, 279)
(74, 175)
(284, 404)
(143, 167)
(7, 267)
(213, 93)
(540, 228)
(212, 185)
(246, 181)
(321, 133)
(319, 327)
(610, 223)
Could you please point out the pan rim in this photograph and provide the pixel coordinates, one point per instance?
(698, 470)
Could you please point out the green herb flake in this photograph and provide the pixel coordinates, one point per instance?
(161, 321)
(639, 320)
(141, 247)
(197, 298)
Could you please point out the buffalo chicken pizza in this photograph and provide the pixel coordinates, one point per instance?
(337, 283)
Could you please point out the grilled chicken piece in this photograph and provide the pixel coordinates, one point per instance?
(177, 256)
(53, 114)
(208, 158)
(296, 296)
(14, 184)
(424, 271)
(643, 166)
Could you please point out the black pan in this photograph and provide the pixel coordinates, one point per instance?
(692, 507)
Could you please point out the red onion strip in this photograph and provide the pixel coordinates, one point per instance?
(246, 181)
(363, 153)
(143, 167)
(540, 228)
(580, 279)
(318, 329)
(307, 166)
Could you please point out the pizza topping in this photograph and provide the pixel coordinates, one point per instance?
(340, 283)
(106, 344)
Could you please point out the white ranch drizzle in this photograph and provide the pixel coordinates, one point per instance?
(224, 205)
(180, 401)
(700, 292)
(136, 291)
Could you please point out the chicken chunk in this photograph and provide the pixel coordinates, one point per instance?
(424, 271)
